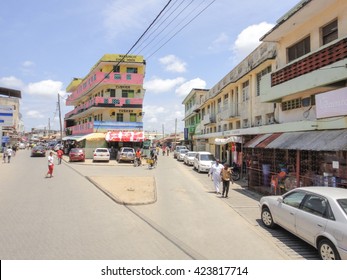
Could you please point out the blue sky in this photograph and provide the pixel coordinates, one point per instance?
(46, 43)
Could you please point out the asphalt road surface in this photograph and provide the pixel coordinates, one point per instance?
(68, 217)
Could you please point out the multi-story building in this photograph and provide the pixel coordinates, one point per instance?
(11, 132)
(289, 109)
(231, 111)
(107, 104)
(191, 104)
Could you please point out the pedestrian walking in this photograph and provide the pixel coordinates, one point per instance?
(226, 178)
(50, 165)
(9, 153)
(4, 154)
(215, 171)
(60, 155)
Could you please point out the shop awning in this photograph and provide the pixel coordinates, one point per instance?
(90, 137)
(325, 140)
(124, 136)
(73, 138)
(256, 140)
(223, 141)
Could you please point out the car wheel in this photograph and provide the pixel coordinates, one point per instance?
(327, 250)
(266, 217)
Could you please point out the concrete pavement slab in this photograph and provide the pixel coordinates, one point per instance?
(127, 190)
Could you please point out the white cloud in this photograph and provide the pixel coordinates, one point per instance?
(11, 82)
(157, 85)
(173, 64)
(33, 114)
(184, 89)
(44, 88)
(248, 40)
(222, 42)
(28, 64)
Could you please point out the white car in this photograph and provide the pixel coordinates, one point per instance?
(317, 215)
(126, 154)
(189, 158)
(203, 161)
(181, 154)
(177, 148)
(101, 154)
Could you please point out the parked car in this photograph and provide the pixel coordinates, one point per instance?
(203, 161)
(317, 215)
(181, 154)
(126, 154)
(101, 154)
(38, 151)
(177, 148)
(21, 146)
(77, 154)
(189, 158)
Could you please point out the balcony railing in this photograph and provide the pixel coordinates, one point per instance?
(105, 78)
(317, 60)
(100, 101)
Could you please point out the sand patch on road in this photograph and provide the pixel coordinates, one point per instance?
(127, 190)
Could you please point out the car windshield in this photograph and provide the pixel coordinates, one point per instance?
(343, 204)
(183, 151)
(207, 157)
(128, 150)
(74, 150)
(191, 154)
(101, 150)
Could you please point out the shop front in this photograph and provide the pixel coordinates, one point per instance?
(279, 162)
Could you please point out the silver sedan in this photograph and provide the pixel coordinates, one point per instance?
(317, 215)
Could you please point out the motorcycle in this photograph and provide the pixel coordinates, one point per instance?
(137, 162)
(236, 170)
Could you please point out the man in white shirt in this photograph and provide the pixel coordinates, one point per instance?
(215, 171)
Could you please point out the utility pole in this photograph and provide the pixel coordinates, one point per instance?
(61, 128)
(49, 126)
(175, 133)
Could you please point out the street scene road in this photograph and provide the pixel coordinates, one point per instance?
(71, 216)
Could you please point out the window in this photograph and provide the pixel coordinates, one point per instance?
(245, 91)
(219, 105)
(132, 117)
(299, 49)
(329, 32)
(258, 121)
(127, 93)
(116, 68)
(315, 205)
(267, 70)
(119, 117)
(291, 104)
(112, 93)
(107, 76)
(294, 199)
(131, 70)
(117, 76)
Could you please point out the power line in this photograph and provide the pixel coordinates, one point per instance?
(184, 26)
(143, 34)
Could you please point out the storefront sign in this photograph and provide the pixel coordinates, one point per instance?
(332, 103)
(124, 136)
(6, 115)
